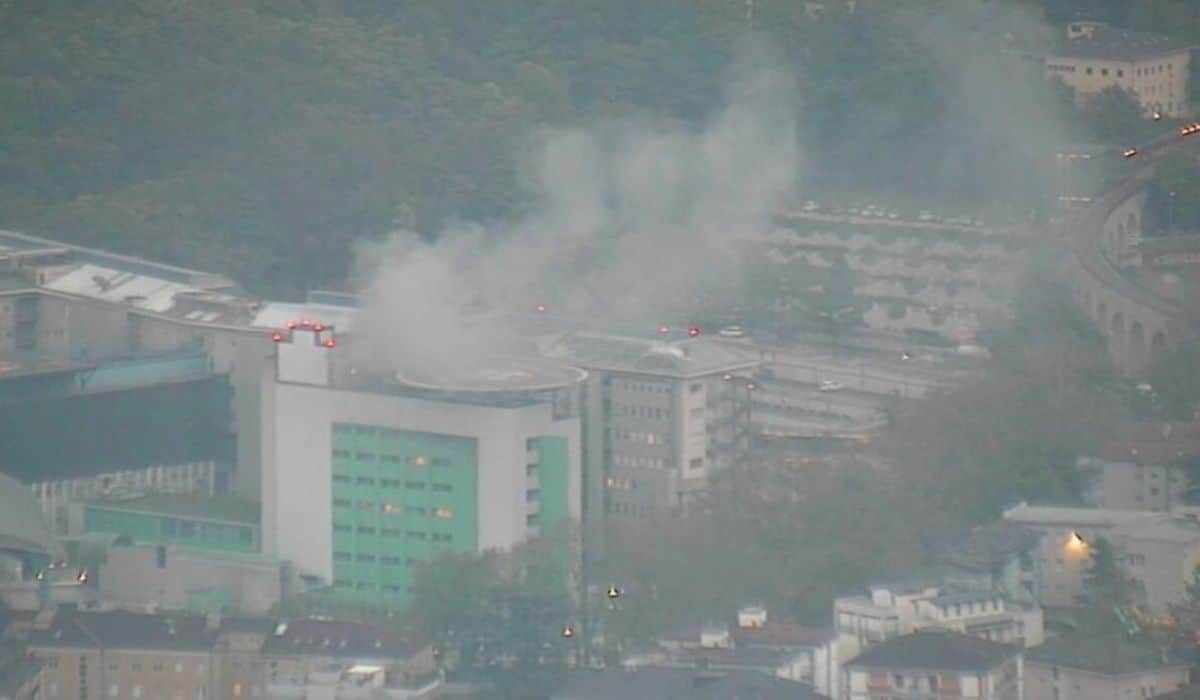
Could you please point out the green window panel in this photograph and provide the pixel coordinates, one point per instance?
(553, 473)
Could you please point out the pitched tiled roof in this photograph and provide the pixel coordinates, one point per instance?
(936, 650)
(776, 634)
(1106, 655)
(1114, 44)
(120, 629)
(680, 684)
(338, 638)
(1157, 443)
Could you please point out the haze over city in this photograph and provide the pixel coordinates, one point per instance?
(841, 349)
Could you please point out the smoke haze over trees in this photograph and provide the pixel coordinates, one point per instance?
(263, 139)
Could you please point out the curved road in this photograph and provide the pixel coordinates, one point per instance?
(1086, 230)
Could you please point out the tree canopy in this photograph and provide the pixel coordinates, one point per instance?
(262, 139)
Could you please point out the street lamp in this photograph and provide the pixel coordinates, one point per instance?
(1170, 212)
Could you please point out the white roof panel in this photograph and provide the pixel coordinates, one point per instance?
(278, 314)
(116, 286)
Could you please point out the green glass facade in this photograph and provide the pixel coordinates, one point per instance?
(165, 527)
(399, 498)
(552, 470)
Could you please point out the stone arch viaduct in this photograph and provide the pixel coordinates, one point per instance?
(1139, 324)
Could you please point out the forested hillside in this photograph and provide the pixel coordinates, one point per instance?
(261, 138)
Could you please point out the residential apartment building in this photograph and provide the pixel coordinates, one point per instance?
(125, 655)
(802, 654)
(1083, 668)
(320, 659)
(1139, 468)
(1064, 550)
(894, 611)
(1154, 68)
(365, 477)
(678, 683)
(1160, 551)
(937, 665)
(101, 655)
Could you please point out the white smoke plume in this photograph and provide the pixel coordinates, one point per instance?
(630, 216)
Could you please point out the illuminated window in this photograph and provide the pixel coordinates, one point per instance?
(444, 513)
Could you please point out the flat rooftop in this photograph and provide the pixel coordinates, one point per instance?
(216, 508)
(500, 375)
(1075, 517)
(681, 359)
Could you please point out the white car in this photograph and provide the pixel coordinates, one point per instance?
(925, 216)
(828, 386)
(811, 206)
(732, 332)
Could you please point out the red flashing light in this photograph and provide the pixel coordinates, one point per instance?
(319, 327)
(541, 308)
(664, 329)
(306, 324)
(291, 325)
(277, 337)
(331, 343)
(694, 331)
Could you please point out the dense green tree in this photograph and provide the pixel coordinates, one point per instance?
(1175, 376)
(1106, 587)
(1116, 116)
(263, 139)
(1173, 198)
(1015, 433)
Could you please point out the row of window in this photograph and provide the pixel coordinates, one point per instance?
(410, 460)
(374, 432)
(390, 483)
(342, 528)
(622, 409)
(368, 586)
(387, 560)
(645, 387)
(632, 510)
(639, 462)
(441, 512)
(640, 437)
(1120, 73)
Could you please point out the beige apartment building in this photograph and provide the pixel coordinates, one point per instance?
(1160, 551)
(1139, 468)
(1094, 57)
(96, 656)
(935, 665)
(140, 656)
(889, 612)
(1089, 668)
